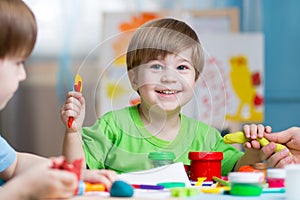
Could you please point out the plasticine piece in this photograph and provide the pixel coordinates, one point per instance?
(184, 192)
(247, 168)
(121, 189)
(178, 192)
(74, 167)
(192, 192)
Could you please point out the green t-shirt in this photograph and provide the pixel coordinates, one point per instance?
(120, 141)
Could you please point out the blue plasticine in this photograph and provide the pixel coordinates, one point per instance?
(121, 189)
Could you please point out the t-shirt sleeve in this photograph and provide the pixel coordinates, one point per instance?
(7, 154)
(96, 143)
(230, 154)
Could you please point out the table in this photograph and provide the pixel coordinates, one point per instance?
(201, 196)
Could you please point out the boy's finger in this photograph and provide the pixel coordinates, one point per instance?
(255, 144)
(261, 130)
(247, 131)
(253, 131)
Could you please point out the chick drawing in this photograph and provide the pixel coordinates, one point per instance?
(243, 85)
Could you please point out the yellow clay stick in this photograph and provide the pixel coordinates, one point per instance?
(239, 137)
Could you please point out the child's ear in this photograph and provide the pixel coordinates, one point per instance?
(197, 80)
(133, 79)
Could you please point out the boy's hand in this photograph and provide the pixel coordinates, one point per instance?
(74, 106)
(254, 131)
(105, 176)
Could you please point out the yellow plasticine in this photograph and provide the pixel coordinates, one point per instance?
(239, 137)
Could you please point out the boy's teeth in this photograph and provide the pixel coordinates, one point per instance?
(168, 92)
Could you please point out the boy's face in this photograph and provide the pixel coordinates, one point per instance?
(11, 73)
(166, 82)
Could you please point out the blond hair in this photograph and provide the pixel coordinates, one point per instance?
(18, 29)
(161, 37)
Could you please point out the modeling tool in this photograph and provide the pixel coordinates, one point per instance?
(147, 187)
(221, 181)
(84, 187)
(77, 88)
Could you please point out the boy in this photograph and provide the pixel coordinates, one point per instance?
(164, 62)
(28, 176)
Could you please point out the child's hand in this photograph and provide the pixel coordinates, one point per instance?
(74, 106)
(41, 181)
(254, 131)
(107, 177)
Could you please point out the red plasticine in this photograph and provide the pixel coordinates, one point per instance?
(74, 167)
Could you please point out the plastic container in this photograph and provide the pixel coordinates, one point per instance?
(276, 178)
(205, 164)
(161, 158)
(292, 182)
(246, 183)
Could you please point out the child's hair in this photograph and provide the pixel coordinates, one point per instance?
(161, 37)
(18, 29)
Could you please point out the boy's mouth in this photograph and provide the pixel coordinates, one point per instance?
(168, 92)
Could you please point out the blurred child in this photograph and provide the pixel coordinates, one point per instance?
(164, 62)
(28, 176)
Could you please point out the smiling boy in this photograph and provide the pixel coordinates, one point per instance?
(164, 61)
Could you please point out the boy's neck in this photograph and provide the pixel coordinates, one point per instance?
(161, 124)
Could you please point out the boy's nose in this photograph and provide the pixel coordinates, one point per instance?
(169, 75)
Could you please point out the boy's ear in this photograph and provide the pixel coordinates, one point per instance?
(197, 80)
(133, 79)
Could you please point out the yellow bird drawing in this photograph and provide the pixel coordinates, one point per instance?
(242, 84)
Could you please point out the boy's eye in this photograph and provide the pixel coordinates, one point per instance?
(21, 63)
(181, 67)
(156, 66)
